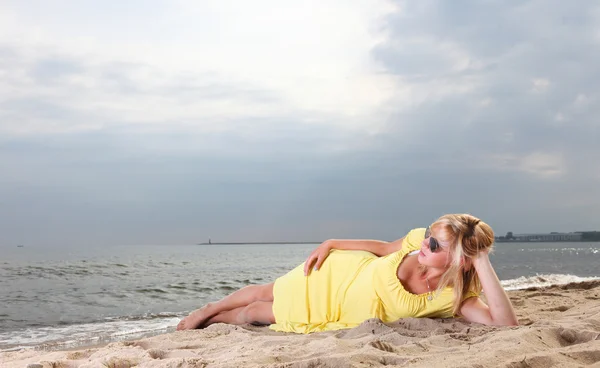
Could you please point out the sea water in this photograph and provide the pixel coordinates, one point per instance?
(64, 297)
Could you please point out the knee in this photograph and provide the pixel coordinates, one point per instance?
(248, 314)
(255, 314)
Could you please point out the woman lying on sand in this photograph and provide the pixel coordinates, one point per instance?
(434, 272)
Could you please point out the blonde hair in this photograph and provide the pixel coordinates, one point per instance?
(467, 236)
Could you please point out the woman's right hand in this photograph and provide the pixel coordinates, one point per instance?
(317, 257)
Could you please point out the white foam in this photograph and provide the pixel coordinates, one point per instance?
(53, 338)
(543, 280)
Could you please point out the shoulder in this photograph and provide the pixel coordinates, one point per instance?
(414, 238)
(418, 232)
(411, 241)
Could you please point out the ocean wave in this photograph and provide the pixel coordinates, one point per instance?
(64, 270)
(77, 335)
(543, 280)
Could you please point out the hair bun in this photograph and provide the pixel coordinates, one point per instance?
(471, 223)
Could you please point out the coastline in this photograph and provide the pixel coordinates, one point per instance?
(497, 240)
(244, 243)
(558, 327)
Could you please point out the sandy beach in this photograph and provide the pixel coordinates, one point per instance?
(559, 327)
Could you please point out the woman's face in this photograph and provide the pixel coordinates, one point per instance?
(434, 252)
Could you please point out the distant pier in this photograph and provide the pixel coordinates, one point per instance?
(552, 237)
(241, 243)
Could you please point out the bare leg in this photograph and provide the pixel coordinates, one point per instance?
(240, 298)
(221, 318)
(255, 313)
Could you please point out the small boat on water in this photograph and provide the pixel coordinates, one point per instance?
(20, 246)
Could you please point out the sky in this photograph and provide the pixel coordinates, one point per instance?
(176, 121)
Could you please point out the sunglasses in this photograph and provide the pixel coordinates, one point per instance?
(434, 246)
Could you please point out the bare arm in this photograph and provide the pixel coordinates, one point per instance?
(499, 310)
(378, 247)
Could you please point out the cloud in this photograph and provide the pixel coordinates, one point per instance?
(45, 71)
(488, 97)
(183, 120)
(500, 83)
(540, 85)
(200, 61)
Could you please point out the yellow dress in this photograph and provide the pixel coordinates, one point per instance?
(351, 287)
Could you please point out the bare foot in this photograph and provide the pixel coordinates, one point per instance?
(195, 319)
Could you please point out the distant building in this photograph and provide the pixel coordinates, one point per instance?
(547, 237)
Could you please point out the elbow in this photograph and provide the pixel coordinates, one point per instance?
(383, 250)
